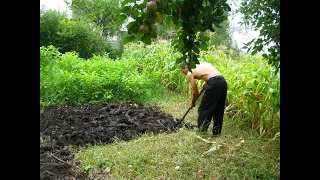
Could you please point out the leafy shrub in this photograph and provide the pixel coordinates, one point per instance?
(70, 35)
(69, 79)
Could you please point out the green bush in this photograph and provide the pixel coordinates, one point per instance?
(70, 35)
(71, 80)
(49, 24)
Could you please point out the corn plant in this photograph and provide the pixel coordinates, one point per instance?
(160, 59)
(253, 89)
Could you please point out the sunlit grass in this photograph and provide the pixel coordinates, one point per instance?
(241, 155)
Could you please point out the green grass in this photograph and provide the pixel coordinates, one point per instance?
(243, 154)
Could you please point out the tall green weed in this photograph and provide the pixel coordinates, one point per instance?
(253, 89)
(143, 72)
(68, 79)
(253, 84)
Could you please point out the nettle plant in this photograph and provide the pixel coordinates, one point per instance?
(189, 17)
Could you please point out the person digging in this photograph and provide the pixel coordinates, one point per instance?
(215, 93)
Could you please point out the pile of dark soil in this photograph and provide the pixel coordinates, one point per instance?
(93, 124)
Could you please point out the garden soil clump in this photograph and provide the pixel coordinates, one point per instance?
(62, 126)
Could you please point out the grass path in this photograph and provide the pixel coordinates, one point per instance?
(237, 153)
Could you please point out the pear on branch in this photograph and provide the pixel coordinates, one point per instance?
(159, 18)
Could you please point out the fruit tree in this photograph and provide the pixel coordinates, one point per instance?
(190, 17)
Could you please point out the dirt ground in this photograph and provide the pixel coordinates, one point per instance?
(93, 124)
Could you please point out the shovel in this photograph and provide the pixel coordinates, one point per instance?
(180, 120)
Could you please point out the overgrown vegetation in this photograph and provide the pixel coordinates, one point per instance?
(75, 35)
(253, 90)
(145, 73)
(250, 142)
(80, 64)
(71, 80)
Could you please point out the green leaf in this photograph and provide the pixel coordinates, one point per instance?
(242, 9)
(135, 13)
(167, 11)
(128, 39)
(227, 7)
(195, 49)
(204, 46)
(142, 5)
(126, 10)
(186, 27)
(124, 2)
(121, 18)
(259, 41)
(194, 59)
(189, 44)
(146, 39)
(175, 18)
(168, 19)
(224, 18)
(165, 4)
(205, 38)
(192, 63)
(217, 25)
(181, 59)
(175, 41)
(133, 27)
(254, 52)
(180, 46)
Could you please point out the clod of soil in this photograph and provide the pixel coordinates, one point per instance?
(93, 124)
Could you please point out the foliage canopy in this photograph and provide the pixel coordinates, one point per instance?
(79, 35)
(103, 13)
(265, 17)
(190, 17)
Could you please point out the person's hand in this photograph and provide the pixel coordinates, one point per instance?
(192, 105)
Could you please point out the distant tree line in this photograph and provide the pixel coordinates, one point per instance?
(93, 29)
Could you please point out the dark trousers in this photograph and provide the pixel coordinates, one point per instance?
(213, 104)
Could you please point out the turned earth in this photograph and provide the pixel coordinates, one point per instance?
(93, 124)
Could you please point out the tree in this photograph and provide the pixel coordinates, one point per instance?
(190, 17)
(49, 24)
(79, 36)
(264, 15)
(68, 34)
(104, 13)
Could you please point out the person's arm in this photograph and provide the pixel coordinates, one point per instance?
(194, 89)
